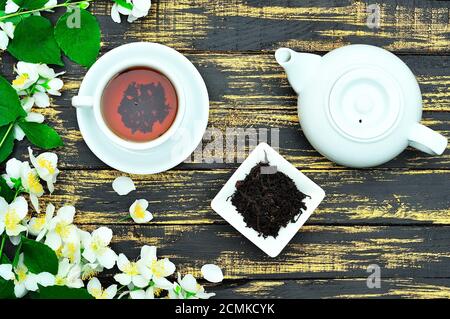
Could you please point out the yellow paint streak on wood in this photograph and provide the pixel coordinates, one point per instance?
(421, 291)
(398, 287)
(327, 257)
(179, 26)
(259, 288)
(400, 208)
(70, 84)
(333, 255)
(321, 14)
(425, 33)
(404, 288)
(257, 76)
(242, 118)
(184, 190)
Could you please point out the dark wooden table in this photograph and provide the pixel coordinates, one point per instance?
(396, 216)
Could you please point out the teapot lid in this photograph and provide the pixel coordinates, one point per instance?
(365, 103)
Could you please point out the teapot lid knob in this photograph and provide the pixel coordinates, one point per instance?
(365, 103)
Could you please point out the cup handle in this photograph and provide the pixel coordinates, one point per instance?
(426, 140)
(82, 101)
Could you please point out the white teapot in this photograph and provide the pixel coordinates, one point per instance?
(359, 105)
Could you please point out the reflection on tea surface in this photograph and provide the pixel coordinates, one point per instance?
(139, 104)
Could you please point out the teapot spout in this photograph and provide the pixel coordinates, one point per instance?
(299, 67)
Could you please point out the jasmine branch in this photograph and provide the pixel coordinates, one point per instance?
(20, 13)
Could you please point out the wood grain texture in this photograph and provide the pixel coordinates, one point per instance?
(184, 197)
(251, 91)
(316, 252)
(256, 81)
(292, 143)
(396, 216)
(254, 25)
(335, 288)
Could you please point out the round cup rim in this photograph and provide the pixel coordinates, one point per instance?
(106, 78)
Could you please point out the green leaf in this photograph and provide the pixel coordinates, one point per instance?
(6, 289)
(62, 292)
(6, 192)
(10, 107)
(38, 257)
(17, 182)
(34, 42)
(78, 35)
(124, 4)
(6, 141)
(2, 5)
(31, 4)
(17, 253)
(83, 5)
(4, 259)
(41, 135)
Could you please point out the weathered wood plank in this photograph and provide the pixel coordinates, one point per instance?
(335, 288)
(184, 197)
(292, 143)
(238, 25)
(319, 252)
(256, 81)
(252, 91)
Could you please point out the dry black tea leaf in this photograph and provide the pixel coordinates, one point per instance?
(268, 200)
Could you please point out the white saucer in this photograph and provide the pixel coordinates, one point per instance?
(177, 148)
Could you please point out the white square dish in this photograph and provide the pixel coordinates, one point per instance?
(222, 205)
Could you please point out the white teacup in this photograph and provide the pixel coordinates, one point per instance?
(94, 102)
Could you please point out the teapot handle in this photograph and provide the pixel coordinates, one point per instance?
(426, 140)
